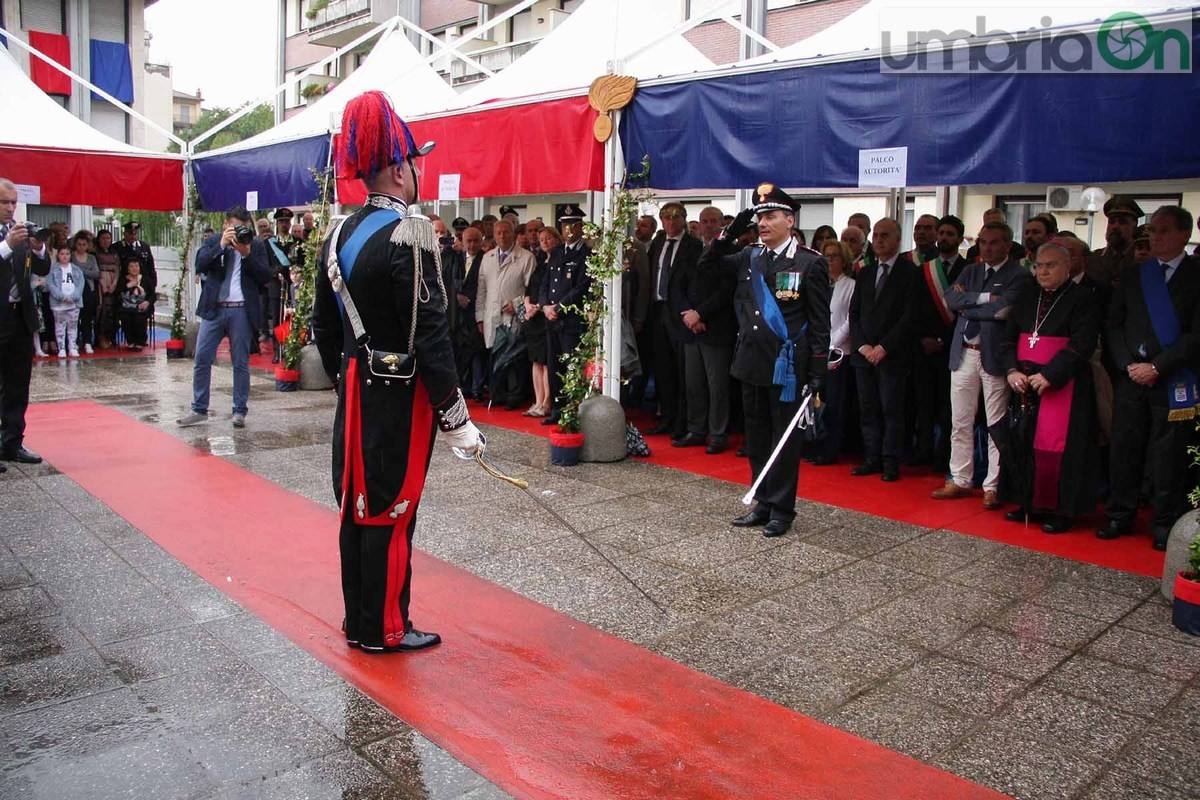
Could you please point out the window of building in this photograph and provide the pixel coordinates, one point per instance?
(185, 114)
(38, 15)
(569, 5)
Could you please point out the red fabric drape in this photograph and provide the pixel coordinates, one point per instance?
(539, 148)
(76, 177)
(58, 47)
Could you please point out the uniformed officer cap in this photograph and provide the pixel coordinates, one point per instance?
(572, 213)
(1122, 204)
(506, 210)
(460, 224)
(132, 225)
(284, 213)
(769, 197)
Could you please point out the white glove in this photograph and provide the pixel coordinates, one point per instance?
(468, 439)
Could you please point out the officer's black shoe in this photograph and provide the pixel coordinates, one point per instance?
(660, 429)
(1113, 530)
(891, 473)
(1056, 524)
(1161, 535)
(22, 456)
(776, 527)
(716, 445)
(753, 519)
(743, 452)
(413, 639)
(866, 468)
(688, 440)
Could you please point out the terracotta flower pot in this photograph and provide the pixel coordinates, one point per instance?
(1185, 608)
(565, 447)
(286, 380)
(174, 348)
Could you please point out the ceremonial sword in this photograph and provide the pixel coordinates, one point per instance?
(522, 484)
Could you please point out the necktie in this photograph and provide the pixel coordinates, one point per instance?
(972, 328)
(881, 277)
(1165, 268)
(503, 257)
(664, 269)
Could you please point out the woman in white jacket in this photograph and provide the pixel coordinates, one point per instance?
(841, 274)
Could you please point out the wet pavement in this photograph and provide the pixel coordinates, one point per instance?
(123, 674)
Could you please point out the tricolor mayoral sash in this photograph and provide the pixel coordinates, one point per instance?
(1054, 412)
(1183, 393)
(935, 281)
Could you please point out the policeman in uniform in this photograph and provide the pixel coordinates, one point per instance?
(782, 305)
(566, 284)
(280, 262)
(382, 305)
(1106, 264)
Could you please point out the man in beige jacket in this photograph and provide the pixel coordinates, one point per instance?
(503, 275)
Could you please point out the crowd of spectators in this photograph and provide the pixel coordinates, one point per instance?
(937, 350)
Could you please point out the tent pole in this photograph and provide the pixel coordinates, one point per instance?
(612, 324)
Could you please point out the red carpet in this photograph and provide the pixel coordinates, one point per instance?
(538, 703)
(906, 500)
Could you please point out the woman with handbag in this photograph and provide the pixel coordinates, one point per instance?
(838, 255)
(1051, 466)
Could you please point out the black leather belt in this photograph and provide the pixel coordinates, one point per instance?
(227, 304)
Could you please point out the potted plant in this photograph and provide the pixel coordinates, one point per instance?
(314, 8)
(287, 374)
(175, 344)
(1185, 609)
(584, 365)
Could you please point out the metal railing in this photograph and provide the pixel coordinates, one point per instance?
(336, 12)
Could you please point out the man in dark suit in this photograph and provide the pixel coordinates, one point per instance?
(1153, 334)
(20, 256)
(233, 267)
(566, 284)
(881, 333)
(709, 317)
(672, 253)
(980, 299)
(469, 350)
(1016, 250)
(931, 351)
(782, 307)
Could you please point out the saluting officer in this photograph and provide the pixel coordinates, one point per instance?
(782, 306)
(566, 284)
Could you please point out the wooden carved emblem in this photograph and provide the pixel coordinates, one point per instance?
(609, 93)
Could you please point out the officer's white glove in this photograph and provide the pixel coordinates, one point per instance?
(465, 441)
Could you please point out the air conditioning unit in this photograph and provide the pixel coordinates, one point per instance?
(1064, 198)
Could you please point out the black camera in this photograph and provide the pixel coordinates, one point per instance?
(446, 241)
(243, 234)
(41, 234)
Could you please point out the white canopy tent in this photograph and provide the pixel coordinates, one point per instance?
(44, 145)
(627, 37)
(394, 67)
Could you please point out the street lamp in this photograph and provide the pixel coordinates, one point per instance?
(1093, 200)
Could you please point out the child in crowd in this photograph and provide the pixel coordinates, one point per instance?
(135, 306)
(65, 284)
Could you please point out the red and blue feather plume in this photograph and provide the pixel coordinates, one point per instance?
(373, 137)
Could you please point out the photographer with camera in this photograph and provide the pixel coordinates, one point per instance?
(22, 253)
(233, 268)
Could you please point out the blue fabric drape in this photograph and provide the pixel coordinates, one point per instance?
(804, 126)
(282, 174)
(112, 70)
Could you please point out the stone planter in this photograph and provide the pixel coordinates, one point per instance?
(602, 423)
(312, 371)
(1182, 533)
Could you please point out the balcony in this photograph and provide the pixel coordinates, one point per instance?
(338, 22)
(494, 58)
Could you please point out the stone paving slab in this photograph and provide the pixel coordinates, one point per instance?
(1033, 675)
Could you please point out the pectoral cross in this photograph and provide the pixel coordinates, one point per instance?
(1033, 340)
